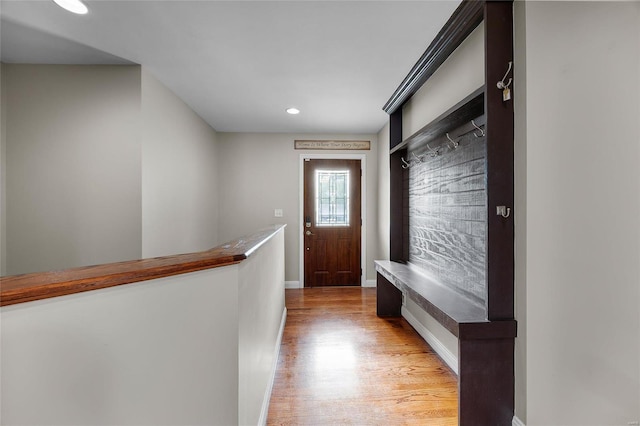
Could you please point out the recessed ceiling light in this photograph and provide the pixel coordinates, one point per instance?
(74, 6)
(293, 111)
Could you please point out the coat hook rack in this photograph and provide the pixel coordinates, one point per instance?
(482, 134)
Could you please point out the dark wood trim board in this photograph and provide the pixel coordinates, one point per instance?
(462, 23)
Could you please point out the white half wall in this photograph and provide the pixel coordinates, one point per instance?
(179, 176)
(191, 349)
(157, 352)
(72, 165)
(261, 307)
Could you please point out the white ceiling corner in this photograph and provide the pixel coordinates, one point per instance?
(240, 64)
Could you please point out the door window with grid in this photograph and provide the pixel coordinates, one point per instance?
(332, 197)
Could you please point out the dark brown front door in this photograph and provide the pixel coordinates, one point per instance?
(332, 222)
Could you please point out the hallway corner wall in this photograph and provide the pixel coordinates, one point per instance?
(72, 165)
(179, 174)
(101, 163)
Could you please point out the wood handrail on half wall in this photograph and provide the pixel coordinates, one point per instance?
(37, 286)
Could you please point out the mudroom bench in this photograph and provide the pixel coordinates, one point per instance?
(485, 348)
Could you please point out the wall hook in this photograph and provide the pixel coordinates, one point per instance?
(501, 84)
(416, 158)
(503, 211)
(481, 131)
(455, 144)
(405, 165)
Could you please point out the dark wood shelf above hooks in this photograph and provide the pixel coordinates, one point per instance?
(463, 112)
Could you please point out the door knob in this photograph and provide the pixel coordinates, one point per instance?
(308, 233)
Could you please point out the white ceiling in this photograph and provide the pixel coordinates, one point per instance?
(240, 64)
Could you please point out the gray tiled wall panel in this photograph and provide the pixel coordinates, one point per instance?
(448, 213)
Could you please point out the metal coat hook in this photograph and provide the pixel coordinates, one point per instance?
(416, 158)
(501, 84)
(432, 152)
(481, 131)
(405, 165)
(503, 211)
(455, 144)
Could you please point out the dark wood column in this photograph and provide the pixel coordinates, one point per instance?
(498, 28)
(389, 298)
(485, 386)
(399, 226)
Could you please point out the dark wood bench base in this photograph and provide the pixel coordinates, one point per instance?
(485, 348)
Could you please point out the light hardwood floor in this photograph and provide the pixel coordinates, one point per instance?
(340, 364)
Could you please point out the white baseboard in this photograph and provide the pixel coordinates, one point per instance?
(447, 356)
(517, 422)
(267, 395)
(369, 283)
(292, 284)
(296, 284)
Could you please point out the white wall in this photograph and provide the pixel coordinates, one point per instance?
(441, 340)
(179, 177)
(578, 261)
(72, 165)
(261, 314)
(384, 194)
(148, 353)
(3, 177)
(457, 77)
(260, 172)
(520, 210)
(104, 164)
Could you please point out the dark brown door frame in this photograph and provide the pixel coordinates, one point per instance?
(363, 203)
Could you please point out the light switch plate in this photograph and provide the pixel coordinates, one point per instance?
(277, 213)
